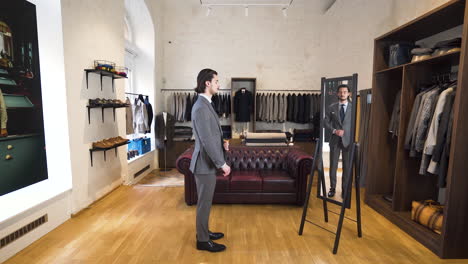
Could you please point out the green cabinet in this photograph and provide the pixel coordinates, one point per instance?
(22, 162)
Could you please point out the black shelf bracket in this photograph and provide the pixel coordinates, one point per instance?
(101, 74)
(105, 150)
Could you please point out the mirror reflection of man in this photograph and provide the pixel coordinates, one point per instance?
(338, 121)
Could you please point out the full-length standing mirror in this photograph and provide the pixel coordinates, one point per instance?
(338, 126)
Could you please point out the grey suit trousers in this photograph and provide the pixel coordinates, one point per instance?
(206, 184)
(335, 150)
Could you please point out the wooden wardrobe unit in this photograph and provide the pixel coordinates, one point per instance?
(390, 170)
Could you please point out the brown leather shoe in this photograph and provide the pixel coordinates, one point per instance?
(3, 132)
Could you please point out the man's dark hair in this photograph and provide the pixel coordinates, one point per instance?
(204, 76)
(343, 86)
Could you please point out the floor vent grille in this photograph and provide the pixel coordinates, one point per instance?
(23, 231)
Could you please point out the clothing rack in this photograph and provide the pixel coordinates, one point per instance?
(137, 94)
(285, 91)
(187, 90)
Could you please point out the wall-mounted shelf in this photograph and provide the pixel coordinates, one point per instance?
(103, 73)
(104, 150)
(102, 109)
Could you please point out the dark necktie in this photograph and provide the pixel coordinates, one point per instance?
(213, 105)
(342, 113)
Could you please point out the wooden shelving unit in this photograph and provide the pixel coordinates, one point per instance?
(390, 170)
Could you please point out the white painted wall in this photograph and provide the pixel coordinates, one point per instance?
(282, 53)
(51, 196)
(93, 30)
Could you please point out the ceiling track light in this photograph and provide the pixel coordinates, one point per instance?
(208, 11)
(246, 11)
(285, 11)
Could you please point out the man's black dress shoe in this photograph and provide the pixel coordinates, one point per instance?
(215, 235)
(331, 193)
(210, 246)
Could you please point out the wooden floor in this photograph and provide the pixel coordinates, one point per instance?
(153, 225)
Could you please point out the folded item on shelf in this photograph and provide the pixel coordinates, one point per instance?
(449, 43)
(265, 140)
(252, 135)
(265, 144)
(399, 54)
(420, 57)
(442, 51)
(421, 51)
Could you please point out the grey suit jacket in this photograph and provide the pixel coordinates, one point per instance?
(332, 121)
(208, 154)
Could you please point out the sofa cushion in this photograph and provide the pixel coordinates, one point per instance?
(277, 181)
(246, 181)
(222, 184)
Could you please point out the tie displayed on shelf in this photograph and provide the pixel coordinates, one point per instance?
(342, 113)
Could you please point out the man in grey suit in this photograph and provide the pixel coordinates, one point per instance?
(338, 118)
(208, 156)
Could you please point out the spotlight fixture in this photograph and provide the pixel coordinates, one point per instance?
(285, 12)
(246, 11)
(208, 11)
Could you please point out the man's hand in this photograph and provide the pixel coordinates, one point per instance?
(226, 170)
(339, 132)
(226, 145)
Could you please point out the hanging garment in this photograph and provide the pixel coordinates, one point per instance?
(149, 111)
(140, 117)
(422, 124)
(430, 142)
(412, 121)
(394, 125)
(3, 113)
(296, 108)
(290, 108)
(301, 108)
(442, 134)
(243, 105)
(229, 105)
(444, 159)
(188, 108)
(307, 106)
(128, 117)
(260, 107)
(164, 130)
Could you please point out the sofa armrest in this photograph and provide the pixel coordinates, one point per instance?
(299, 166)
(183, 166)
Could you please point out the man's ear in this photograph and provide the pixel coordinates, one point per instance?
(207, 83)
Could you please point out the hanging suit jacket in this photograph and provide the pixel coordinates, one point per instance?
(290, 108)
(333, 121)
(140, 117)
(149, 111)
(188, 109)
(243, 106)
(128, 117)
(164, 130)
(431, 142)
(442, 134)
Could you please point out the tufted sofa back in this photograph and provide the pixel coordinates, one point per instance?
(258, 158)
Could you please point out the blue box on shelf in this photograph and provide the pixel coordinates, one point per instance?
(146, 145)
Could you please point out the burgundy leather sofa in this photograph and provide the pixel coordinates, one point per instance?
(260, 175)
